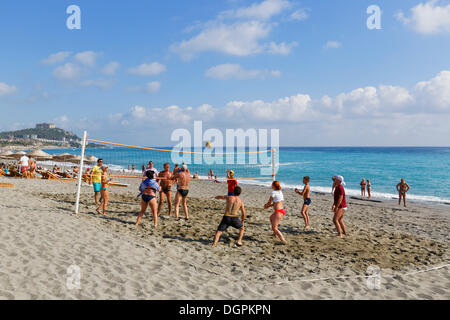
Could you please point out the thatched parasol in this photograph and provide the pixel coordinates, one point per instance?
(18, 155)
(6, 155)
(39, 155)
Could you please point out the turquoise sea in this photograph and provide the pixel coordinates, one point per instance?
(426, 169)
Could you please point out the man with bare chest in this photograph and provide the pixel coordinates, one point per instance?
(165, 182)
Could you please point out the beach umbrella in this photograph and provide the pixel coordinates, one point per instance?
(39, 155)
(91, 158)
(76, 159)
(6, 155)
(18, 155)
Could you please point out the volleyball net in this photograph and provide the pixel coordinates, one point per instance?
(206, 163)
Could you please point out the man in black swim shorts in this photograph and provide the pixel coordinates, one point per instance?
(231, 217)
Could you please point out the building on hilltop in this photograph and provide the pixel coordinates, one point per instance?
(45, 126)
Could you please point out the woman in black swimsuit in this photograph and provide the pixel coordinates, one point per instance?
(149, 187)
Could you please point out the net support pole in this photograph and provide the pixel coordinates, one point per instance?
(80, 173)
(273, 164)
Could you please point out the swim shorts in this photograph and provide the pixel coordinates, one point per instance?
(307, 201)
(183, 192)
(97, 186)
(229, 222)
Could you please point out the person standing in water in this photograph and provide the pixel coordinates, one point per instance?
(231, 217)
(369, 189)
(276, 201)
(402, 189)
(306, 193)
(339, 206)
(363, 187)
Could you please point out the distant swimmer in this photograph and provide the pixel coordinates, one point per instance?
(402, 189)
(306, 193)
(231, 217)
(166, 188)
(369, 189)
(276, 201)
(148, 188)
(339, 206)
(363, 187)
(183, 179)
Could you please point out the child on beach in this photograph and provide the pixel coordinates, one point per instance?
(307, 200)
(148, 189)
(105, 180)
(231, 217)
(276, 201)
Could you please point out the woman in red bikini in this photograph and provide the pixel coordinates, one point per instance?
(276, 201)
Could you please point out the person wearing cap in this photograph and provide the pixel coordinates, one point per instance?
(232, 182)
(339, 206)
(95, 178)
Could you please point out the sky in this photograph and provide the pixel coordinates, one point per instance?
(137, 70)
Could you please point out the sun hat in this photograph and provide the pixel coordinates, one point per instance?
(341, 179)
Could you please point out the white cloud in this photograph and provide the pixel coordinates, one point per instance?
(264, 10)
(69, 71)
(103, 84)
(236, 71)
(332, 45)
(56, 58)
(428, 18)
(282, 48)
(238, 39)
(87, 58)
(111, 68)
(6, 89)
(300, 15)
(435, 94)
(150, 87)
(148, 69)
(239, 32)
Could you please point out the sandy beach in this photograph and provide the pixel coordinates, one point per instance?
(40, 239)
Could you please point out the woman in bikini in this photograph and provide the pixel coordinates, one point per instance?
(149, 187)
(369, 189)
(363, 187)
(104, 191)
(276, 201)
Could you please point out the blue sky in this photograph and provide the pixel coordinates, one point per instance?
(310, 68)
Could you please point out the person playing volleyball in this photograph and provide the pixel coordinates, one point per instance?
(166, 188)
(231, 217)
(232, 182)
(148, 189)
(276, 201)
(105, 180)
(183, 179)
